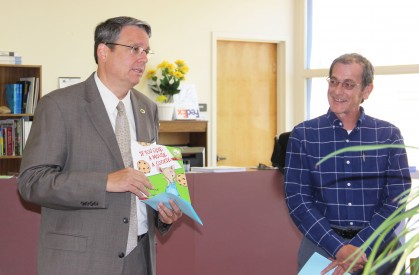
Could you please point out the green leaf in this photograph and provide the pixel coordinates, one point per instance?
(390, 251)
(361, 148)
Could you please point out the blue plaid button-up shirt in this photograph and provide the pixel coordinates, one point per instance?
(351, 190)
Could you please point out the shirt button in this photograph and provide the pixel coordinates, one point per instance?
(348, 162)
(347, 140)
(350, 204)
(349, 184)
(121, 255)
(125, 220)
(351, 223)
(340, 123)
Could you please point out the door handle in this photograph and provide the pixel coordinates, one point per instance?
(219, 158)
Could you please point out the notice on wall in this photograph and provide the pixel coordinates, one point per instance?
(68, 81)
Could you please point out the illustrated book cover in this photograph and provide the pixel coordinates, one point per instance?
(163, 165)
(315, 265)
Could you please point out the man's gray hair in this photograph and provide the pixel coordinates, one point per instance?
(108, 31)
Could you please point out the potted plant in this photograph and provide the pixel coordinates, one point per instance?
(165, 81)
(407, 212)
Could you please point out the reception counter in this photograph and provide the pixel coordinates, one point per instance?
(19, 230)
(247, 229)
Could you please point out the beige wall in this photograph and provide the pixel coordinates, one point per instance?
(59, 34)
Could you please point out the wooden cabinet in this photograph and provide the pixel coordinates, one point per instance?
(11, 74)
(191, 133)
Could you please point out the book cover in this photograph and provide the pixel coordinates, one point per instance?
(9, 141)
(25, 92)
(163, 166)
(8, 132)
(18, 124)
(1, 141)
(14, 97)
(5, 59)
(29, 98)
(315, 265)
(35, 94)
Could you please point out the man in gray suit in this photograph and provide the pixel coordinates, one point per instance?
(72, 165)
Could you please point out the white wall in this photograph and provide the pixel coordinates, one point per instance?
(59, 34)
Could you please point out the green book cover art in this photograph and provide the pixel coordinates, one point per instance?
(163, 166)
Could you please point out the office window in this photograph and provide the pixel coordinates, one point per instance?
(385, 32)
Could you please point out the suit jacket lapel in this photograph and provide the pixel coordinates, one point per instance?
(96, 111)
(141, 113)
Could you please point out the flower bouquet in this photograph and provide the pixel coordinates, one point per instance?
(165, 80)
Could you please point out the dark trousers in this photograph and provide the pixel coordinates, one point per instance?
(307, 248)
(138, 260)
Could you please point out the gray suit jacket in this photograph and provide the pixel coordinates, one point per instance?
(70, 151)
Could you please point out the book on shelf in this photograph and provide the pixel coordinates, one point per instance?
(35, 95)
(8, 53)
(30, 96)
(14, 97)
(12, 132)
(8, 137)
(5, 59)
(1, 142)
(163, 166)
(22, 96)
(218, 169)
(18, 136)
(25, 93)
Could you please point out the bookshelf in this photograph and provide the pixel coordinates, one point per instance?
(10, 74)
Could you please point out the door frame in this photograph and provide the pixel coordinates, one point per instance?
(280, 89)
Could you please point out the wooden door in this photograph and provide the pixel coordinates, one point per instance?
(246, 102)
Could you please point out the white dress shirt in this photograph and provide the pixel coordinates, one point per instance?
(111, 101)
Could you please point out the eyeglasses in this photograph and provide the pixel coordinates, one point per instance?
(135, 50)
(346, 84)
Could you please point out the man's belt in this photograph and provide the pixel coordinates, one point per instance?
(346, 233)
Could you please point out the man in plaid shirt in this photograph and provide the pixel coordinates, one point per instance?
(340, 203)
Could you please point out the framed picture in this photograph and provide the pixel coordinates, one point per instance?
(67, 81)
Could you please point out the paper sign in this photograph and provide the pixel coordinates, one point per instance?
(186, 103)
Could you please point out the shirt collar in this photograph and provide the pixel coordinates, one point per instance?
(334, 120)
(110, 99)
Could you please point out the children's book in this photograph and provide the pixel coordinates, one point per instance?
(315, 265)
(163, 166)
